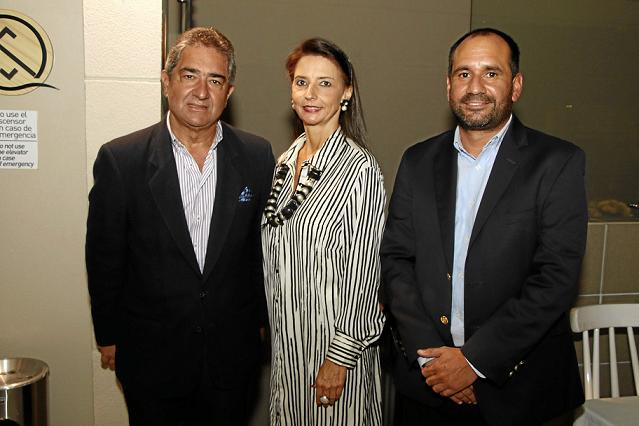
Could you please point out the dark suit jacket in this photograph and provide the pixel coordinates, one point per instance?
(521, 271)
(148, 297)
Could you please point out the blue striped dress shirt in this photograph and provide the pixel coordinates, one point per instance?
(198, 190)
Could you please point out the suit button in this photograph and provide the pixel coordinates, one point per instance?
(197, 329)
(203, 294)
(443, 319)
(448, 276)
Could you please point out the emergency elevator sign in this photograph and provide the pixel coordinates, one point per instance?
(26, 54)
(18, 139)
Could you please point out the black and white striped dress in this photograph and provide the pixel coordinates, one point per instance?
(322, 273)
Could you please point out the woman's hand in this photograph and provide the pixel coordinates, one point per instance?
(329, 382)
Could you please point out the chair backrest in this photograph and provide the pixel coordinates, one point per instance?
(595, 317)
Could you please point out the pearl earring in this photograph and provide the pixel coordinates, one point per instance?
(292, 104)
(344, 104)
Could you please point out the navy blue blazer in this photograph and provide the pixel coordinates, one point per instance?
(167, 319)
(521, 272)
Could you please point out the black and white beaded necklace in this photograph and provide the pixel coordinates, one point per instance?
(304, 187)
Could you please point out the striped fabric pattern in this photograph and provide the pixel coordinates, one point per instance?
(198, 191)
(322, 273)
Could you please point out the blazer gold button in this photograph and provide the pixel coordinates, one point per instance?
(444, 319)
(448, 276)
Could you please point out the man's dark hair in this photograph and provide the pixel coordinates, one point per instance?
(514, 49)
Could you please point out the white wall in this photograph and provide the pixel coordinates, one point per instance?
(43, 298)
(122, 42)
(109, 86)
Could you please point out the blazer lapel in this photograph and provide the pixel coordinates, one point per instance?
(227, 191)
(445, 177)
(165, 188)
(504, 168)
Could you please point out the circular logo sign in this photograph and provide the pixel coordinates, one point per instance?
(26, 54)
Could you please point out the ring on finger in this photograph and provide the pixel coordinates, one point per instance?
(324, 400)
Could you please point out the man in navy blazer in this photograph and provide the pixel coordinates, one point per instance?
(173, 248)
(481, 256)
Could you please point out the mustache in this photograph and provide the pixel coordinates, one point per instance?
(474, 97)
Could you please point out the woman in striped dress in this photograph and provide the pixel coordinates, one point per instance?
(321, 232)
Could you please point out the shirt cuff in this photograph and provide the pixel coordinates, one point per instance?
(475, 370)
(422, 361)
(344, 350)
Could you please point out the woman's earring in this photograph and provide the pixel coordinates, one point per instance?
(344, 104)
(292, 104)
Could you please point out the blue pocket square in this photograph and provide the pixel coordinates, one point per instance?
(246, 195)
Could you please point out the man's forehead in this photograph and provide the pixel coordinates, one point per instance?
(203, 59)
(201, 53)
(483, 42)
(483, 46)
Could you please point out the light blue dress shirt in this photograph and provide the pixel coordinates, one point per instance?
(472, 177)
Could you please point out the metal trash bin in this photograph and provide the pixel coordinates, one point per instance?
(23, 392)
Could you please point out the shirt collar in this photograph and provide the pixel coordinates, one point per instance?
(176, 142)
(495, 141)
(322, 158)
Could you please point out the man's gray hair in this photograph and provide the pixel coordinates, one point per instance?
(202, 36)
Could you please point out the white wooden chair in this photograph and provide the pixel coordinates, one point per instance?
(595, 317)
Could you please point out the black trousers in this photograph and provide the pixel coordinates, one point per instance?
(409, 412)
(204, 406)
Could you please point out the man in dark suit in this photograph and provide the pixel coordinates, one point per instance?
(481, 256)
(173, 248)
